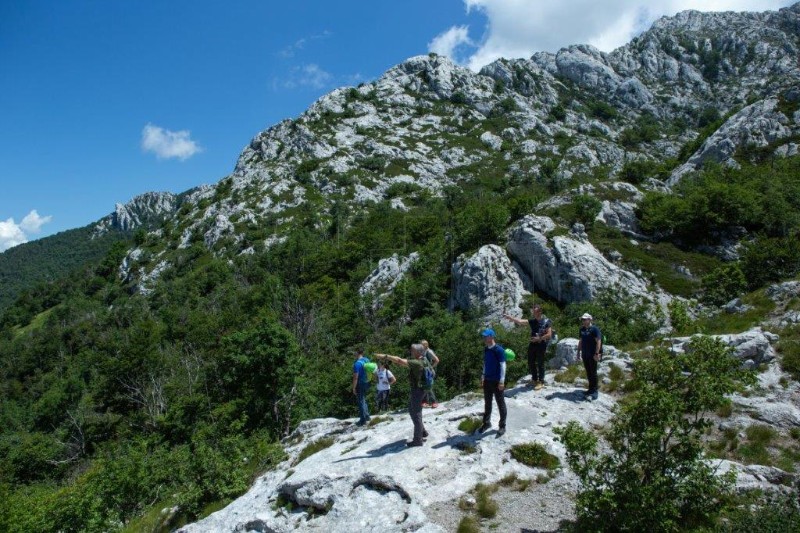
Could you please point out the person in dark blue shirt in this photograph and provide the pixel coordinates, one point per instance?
(361, 386)
(589, 346)
(493, 379)
(541, 333)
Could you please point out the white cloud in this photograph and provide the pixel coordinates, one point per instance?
(310, 75)
(168, 144)
(32, 223)
(446, 43)
(300, 44)
(517, 28)
(12, 234)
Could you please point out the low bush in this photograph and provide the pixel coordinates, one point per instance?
(535, 455)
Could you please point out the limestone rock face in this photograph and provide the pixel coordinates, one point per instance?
(757, 125)
(752, 347)
(141, 210)
(382, 281)
(487, 282)
(565, 268)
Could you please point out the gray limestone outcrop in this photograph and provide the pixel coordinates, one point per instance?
(563, 267)
(752, 347)
(487, 282)
(142, 210)
(389, 272)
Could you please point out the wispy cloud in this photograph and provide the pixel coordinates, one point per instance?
(291, 50)
(446, 43)
(168, 144)
(517, 28)
(12, 234)
(308, 76)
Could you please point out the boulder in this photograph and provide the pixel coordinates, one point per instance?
(566, 353)
(754, 345)
(382, 281)
(567, 269)
(488, 283)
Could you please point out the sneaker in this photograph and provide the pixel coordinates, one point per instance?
(538, 386)
(425, 404)
(434, 405)
(594, 395)
(412, 444)
(484, 427)
(501, 432)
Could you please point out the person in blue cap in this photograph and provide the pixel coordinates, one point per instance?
(493, 381)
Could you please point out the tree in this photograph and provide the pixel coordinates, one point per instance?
(654, 477)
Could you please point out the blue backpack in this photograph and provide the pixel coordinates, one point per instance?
(428, 374)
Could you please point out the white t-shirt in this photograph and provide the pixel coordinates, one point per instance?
(384, 377)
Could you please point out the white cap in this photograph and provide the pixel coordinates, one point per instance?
(586, 315)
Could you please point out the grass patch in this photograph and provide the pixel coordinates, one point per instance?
(726, 409)
(470, 425)
(314, 447)
(789, 348)
(535, 455)
(617, 377)
(468, 524)
(659, 259)
(466, 448)
(572, 373)
(485, 506)
(732, 322)
(377, 420)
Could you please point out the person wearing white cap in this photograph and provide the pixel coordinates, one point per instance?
(589, 345)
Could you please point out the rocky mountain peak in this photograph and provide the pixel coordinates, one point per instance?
(140, 211)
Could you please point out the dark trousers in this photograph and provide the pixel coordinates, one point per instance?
(536, 353)
(490, 390)
(415, 410)
(361, 399)
(590, 365)
(383, 399)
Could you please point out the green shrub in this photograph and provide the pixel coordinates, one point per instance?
(572, 373)
(655, 434)
(535, 455)
(468, 524)
(485, 506)
(316, 446)
(723, 284)
(470, 425)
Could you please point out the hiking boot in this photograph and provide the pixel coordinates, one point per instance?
(484, 427)
(538, 386)
(413, 444)
(501, 432)
(434, 405)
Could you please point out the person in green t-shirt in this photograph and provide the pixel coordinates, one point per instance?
(416, 366)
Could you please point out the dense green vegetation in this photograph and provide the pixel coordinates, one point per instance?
(653, 478)
(50, 259)
(114, 405)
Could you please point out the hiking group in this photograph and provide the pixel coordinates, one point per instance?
(423, 362)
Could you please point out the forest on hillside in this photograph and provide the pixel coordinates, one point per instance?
(114, 405)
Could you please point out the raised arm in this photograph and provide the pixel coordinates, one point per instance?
(517, 321)
(393, 358)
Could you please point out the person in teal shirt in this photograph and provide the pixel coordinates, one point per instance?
(361, 386)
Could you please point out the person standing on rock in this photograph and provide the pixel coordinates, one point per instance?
(433, 360)
(590, 343)
(385, 381)
(493, 380)
(541, 333)
(416, 375)
(361, 386)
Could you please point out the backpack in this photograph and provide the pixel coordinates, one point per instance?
(428, 374)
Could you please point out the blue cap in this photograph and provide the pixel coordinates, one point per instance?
(488, 332)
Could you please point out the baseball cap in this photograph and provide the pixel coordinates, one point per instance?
(586, 315)
(488, 332)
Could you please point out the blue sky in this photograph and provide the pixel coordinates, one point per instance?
(102, 100)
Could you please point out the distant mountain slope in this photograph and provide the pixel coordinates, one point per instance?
(53, 257)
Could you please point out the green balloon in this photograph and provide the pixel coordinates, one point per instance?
(510, 355)
(370, 367)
